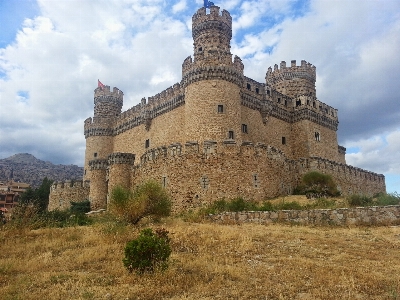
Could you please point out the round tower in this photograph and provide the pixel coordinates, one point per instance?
(99, 130)
(211, 80)
(119, 170)
(292, 81)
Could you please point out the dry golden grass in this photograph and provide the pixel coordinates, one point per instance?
(208, 261)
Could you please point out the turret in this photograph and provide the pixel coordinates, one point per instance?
(292, 81)
(107, 104)
(212, 81)
(99, 130)
(212, 34)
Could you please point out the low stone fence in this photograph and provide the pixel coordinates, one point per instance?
(373, 215)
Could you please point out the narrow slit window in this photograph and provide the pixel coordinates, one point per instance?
(95, 154)
(283, 140)
(244, 128)
(147, 144)
(230, 135)
(257, 90)
(249, 86)
(220, 108)
(317, 136)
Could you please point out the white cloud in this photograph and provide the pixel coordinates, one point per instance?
(178, 7)
(379, 153)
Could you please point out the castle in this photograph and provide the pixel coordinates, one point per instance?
(216, 134)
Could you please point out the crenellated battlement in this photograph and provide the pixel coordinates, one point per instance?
(106, 92)
(121, 158)
(107, 104)
(69, 184)
(211, 148)
(348, 171)
(306, 71)
(201, 17)
(98, 164)
(294, 80)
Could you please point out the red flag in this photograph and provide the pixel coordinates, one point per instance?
(100, 85)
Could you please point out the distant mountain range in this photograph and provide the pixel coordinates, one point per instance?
(24, 167)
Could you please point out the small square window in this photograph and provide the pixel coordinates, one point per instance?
(283, 140)
(95, 154)
(244, 128)
(200, 49)
(231, 135)
(220, 108)
(147, 144)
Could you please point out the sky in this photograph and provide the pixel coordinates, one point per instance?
(52, 52)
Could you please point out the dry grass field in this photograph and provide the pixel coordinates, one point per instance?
(208, 261)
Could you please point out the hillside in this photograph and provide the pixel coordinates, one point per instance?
(24, 167)
(208, 261)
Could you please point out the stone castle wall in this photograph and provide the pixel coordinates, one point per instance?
(381, 215)
(62, 193)
(197, 174)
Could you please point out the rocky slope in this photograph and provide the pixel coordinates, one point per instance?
(26, 168)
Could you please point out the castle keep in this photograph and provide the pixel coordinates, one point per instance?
(215, 134)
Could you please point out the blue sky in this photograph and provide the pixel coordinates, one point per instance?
(53, 52)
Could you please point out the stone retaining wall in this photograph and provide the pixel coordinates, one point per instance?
(373, 215)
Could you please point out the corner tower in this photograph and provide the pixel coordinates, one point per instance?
(292, 81)
(99, 130)
(211, 80)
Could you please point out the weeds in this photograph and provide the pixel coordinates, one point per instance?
(148, 252)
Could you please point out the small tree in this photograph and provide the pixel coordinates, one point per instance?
(317, 183)
(38, 197)
(148, 252)
(148, 199)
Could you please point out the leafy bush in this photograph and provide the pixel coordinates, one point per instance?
(322, 203)
(80, 207)
(359, 200)
(38, 197)
(148, 199)
(148, 252)
(317, 183)
(30, 216)
(293, 205)
(239, 204)
(388, 199)
(266, 206)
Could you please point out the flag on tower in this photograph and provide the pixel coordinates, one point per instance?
(208, 4)
(100, 85)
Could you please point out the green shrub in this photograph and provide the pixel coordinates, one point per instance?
(148, 252)
(293, 205)
(30, 216)
(388, 199)
(359, 200)
(266, 206)
(80, 207)
(148, 199)
(239, 204)
(317, 183)
(322, 203)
